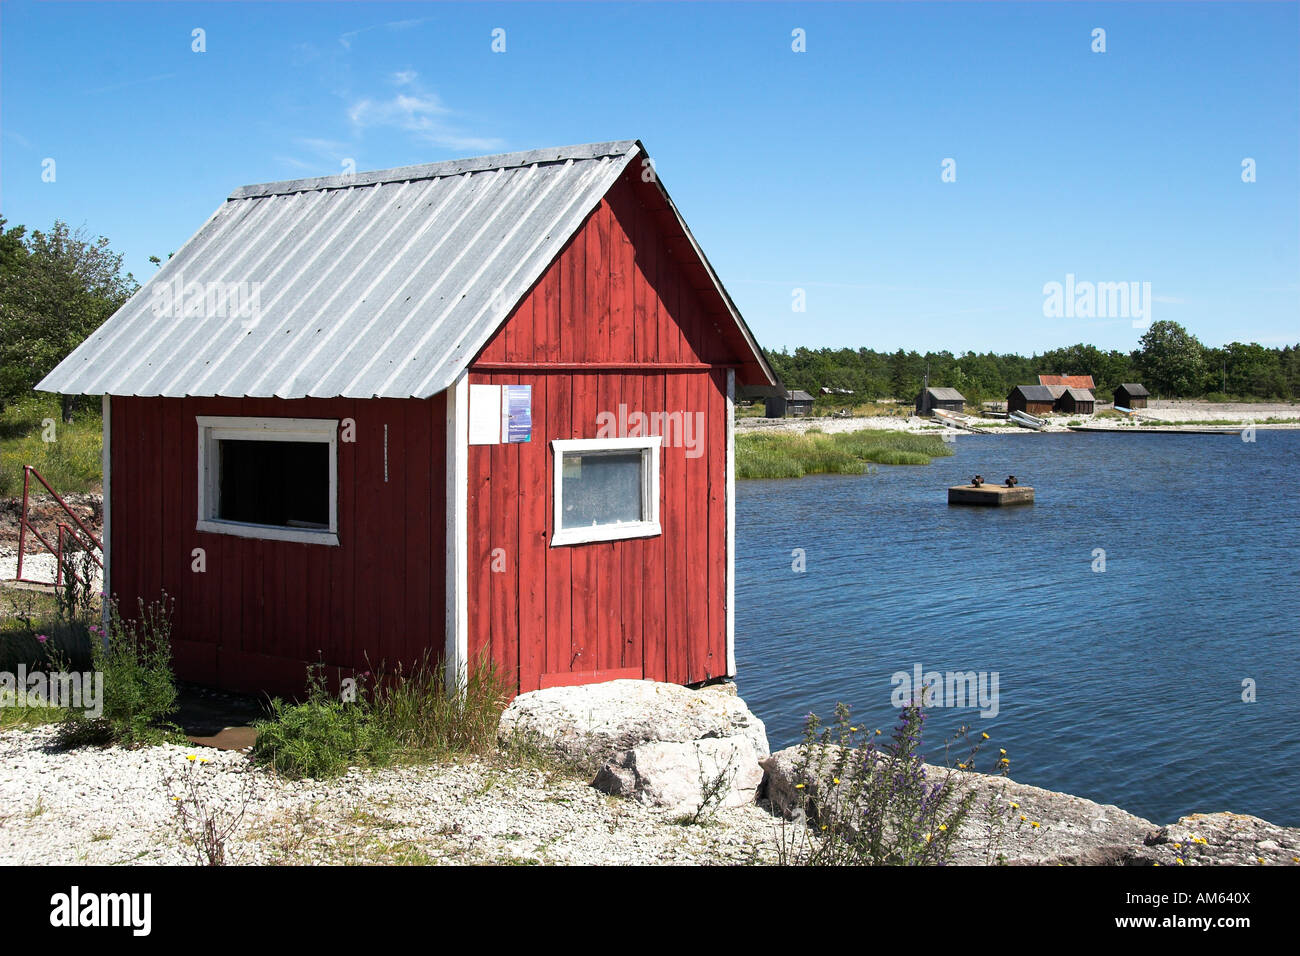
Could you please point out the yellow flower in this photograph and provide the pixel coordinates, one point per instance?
(1015, 806)
(1178, 860)
(877, 733)
(928, 836)
(1003, 752)
(835, 780)
(1004, 760)
(203, 760)
(1261, 859)
(853, 730)
(823, 826)
(1034, 825)
(986, 737)
(942, 827)
(799, 786)
(1023, 818)
(191, 757)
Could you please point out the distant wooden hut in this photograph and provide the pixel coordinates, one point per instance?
(1031, 399)
(1076, 401)
(1131, 395)
(795, 404)
(947, 399)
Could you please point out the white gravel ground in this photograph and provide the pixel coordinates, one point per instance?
(113, 806)
(39, 567)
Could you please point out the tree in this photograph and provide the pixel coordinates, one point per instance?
(1171, 359)
(53, 294)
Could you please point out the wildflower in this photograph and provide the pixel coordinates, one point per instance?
(1261, 859)
(877, 733)
(42, 638)
(835, 780)
(928, 836)
(1178, 860)
(191, 757)
(1023, 818)
(203, 760)
(943, 827)
(986, 737)
(799, 786)
(1035, 825)
(1003, 752)
(1015, 806)
(1004, 760)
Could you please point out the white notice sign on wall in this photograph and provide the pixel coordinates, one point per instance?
(485, 414)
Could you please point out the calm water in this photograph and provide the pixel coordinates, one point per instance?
(1125, 686)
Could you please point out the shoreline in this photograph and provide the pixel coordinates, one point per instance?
(1171, 416)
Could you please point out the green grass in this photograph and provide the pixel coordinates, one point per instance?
(70, 463)
(401, 717)
(792, 455)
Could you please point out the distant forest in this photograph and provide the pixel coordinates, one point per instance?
(1169, 361)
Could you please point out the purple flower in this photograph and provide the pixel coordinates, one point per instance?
(42, 638)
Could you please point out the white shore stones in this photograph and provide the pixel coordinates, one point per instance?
(113, 806)
(659, 745)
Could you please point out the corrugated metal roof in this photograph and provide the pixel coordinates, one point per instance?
(946, 394)
(1134, 389)
(1035, 393)
(381, 284)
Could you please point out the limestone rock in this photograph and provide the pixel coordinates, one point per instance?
(708, 774)
(660, 744)
(1070, 829)
(591, 723)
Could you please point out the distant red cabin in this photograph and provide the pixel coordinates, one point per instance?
(476, 409)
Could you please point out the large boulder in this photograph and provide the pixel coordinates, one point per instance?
(660, 744)
(1069, 829)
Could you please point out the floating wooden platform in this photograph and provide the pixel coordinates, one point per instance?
(992, 495)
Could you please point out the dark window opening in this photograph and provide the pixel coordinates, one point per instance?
(280, 483)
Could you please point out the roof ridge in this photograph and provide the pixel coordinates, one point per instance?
(447, 167)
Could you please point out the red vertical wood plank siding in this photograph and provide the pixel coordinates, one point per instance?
(617, 294)
(264, 609)
(558, 568)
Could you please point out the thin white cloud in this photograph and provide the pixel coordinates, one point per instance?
(125, 83)
(418, 112)
(393, 25)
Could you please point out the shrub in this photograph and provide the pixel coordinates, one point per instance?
(139, 686)
(875, 804)
(322, 735)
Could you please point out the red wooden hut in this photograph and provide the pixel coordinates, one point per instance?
(479, 408)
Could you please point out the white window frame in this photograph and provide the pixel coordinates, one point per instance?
(213, 429)
(648, 527)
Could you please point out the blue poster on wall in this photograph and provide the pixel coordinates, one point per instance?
(517, 412)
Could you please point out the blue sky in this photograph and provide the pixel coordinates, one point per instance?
(818, 170)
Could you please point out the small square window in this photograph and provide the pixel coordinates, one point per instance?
(606, 489)
(269, 478)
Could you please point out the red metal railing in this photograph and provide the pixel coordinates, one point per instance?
(65, 533)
